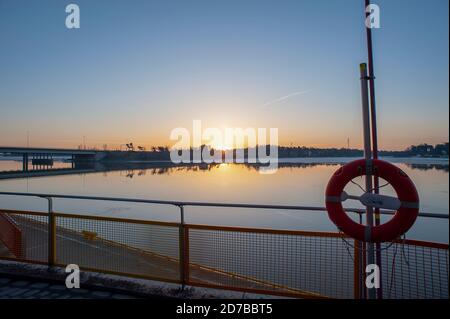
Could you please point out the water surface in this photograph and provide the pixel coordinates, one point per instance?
(296, 182)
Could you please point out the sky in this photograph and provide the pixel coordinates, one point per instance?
(135, 70)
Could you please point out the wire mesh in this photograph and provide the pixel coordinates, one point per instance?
(140, 249)
(24, 236)
(274, 262)
(414, 271)
(10, 237)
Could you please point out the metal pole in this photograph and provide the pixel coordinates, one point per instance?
(357, 270)
(51, 234)
(182, 249)
(373, 116)
(362, 262)
(372, 87)
(368, 157)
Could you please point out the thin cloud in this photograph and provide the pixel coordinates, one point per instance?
(284, 98)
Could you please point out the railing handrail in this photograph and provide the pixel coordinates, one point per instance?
(207, 204)
(255, 230)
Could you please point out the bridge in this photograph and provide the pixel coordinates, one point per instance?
(44, 156)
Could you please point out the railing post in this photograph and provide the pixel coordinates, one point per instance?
(183, 244)
(51, 234)
(357, 270)
(358, 265)
(186, 254)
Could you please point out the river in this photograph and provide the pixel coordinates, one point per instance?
(296, 182)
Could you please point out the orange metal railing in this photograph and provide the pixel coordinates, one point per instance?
(299, 264)
(10, 235)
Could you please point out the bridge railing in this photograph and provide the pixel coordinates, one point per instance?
(289, 263)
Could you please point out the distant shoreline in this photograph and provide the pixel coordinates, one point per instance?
(293, 160)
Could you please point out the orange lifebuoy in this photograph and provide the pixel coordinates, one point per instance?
(404, 217)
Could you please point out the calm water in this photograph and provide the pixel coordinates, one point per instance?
(300, 182)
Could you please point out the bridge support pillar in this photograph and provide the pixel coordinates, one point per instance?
(25, 162)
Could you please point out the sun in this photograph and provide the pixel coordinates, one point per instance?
(221, 147)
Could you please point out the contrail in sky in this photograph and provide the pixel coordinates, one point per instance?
(284, 98)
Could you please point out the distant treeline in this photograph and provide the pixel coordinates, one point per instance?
(163, 153)
(427, 150)
(424, 150)
(301, 151)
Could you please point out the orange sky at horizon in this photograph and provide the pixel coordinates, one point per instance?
(388, 143)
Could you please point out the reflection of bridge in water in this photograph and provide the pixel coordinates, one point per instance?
(86, 167)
